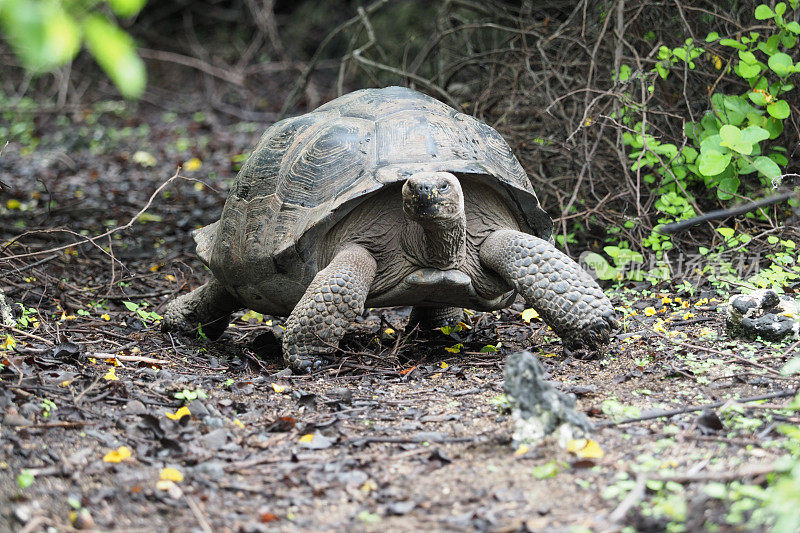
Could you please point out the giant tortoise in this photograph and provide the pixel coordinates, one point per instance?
(384, 197)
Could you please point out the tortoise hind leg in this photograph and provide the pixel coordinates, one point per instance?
(428, 318)
(208, 308)
(564, 295)
(332, 301)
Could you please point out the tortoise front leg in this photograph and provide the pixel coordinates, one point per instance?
(208, 307)
(567, 299)
(334, 299)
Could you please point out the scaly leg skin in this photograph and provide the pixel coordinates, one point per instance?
(209, 306)
(428, 318)
(334, 299)
(568, 300)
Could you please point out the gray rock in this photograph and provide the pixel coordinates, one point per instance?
(763, 313)
(537, 407)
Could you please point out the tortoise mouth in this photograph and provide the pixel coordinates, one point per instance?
(426, 207)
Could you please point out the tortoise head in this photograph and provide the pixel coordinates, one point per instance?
(433, 197)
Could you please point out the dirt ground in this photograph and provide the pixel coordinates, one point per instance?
(405, 433)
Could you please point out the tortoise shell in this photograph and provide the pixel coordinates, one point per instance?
(307, 172)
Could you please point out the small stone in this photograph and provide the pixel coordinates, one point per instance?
(135, 407)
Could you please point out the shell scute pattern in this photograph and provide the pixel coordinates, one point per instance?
(328, 163)
(260, 173)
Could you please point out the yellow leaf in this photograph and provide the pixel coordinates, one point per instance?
(171, 474)
(180, 413)
(170, 277)
(155, 267)
(456, 348)
(118, 455)
(111, 375)
(193, 164)
(368, 486)
(308, 437)
(389, 331)
(443, 365)
(199, 186)
(238, 423)
(13, 204)
(252, 315)
(9, 343)
(114, 361)
(687, 316)
(522, 450)
(65, 383)
(529, 314)
(717, 62)
(585, 449)
(649, 311)
(105, 316)
(548, 355)
(278, 388)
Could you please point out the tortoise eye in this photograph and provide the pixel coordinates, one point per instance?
(444, 186)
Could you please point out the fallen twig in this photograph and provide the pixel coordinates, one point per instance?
(661, 413)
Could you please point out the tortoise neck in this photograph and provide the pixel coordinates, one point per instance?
(438, 243)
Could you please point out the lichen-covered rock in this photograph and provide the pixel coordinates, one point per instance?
(763, 313)
(537, 407)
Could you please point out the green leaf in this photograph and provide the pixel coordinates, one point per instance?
(732, 138)
(754, 135)
(126, 8)
(130, 306)
(763, 12)
(25, 479)
(747, 57)
(733, 44)
(624, 73)
(779, 109)
(780, 8)
(792, 367)
(758, 98)
(773, 126)
(793, 27)
(546, 470)
(747, 70)
(727, 233)
(600, 266)
(767, 167)
(689, 153)
(781, 64)
(779, 159)
(727, 187)
(711, 162)
(712, 36)
(713, 142)
(41, 34)
(115, 53)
